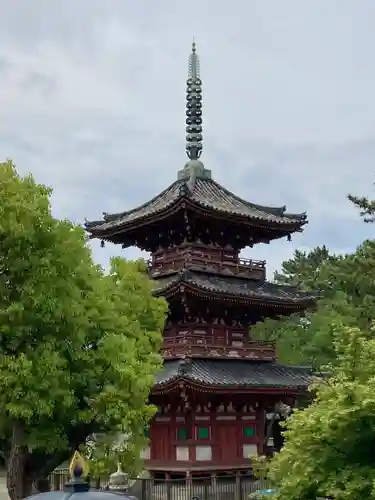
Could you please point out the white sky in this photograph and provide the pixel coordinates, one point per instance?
(92, 103)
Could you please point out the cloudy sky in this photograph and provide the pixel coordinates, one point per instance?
(92, 103)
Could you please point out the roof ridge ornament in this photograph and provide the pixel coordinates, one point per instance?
(184, 366)
(194, 168)
(78, 470)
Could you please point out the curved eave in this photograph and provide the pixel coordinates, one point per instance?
(113, 224)
(173, 190)
(279, 212)
(278, 224)
(173, 384)
(180, 286)
(107, 230)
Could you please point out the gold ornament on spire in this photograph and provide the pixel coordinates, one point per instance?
(78, 467)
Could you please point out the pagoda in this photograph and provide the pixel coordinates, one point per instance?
(217, 385)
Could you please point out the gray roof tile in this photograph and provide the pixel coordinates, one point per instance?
(229, 285)
(235, 373)
(206, 193)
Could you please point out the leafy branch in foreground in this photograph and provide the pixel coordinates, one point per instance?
(78, 347)
(329, 445)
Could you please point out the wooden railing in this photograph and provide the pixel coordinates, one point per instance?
(207, 329)
(255, 269)
(207, 347)
(209, 464)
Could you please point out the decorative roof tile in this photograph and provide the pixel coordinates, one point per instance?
(211, 194)
(205, 193)
(236, 373)
(159, 203)
(228, 285)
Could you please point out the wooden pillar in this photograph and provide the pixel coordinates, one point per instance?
(169, 485)
(239, 426)
(261, 419)
(214, 484)
(189, 486)
(237, 494)
(214, 435)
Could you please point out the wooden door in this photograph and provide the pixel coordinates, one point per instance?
(161, 441)
(227, 441)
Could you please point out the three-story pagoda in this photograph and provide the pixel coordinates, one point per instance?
(217, 384)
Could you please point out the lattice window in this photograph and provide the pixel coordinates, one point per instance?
(248, 431)
(249, 449)
(182, 434)
(203, 432)
(203, 453)
(182, 453)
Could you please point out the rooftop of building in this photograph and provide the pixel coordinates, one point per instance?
(207, 194)
(225, 374)
(196, 189)
(249, 290)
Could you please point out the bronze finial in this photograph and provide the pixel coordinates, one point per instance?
(194, 107)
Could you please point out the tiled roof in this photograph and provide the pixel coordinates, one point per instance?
(209, 193)
(205, 193)
(154, 206)
(238, 287)
(235, 373)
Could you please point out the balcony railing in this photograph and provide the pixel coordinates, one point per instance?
(208, 347)
(247, 268)
(171, 464)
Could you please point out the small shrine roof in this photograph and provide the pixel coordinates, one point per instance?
(205, 193)
(257, 291)
(246, 374)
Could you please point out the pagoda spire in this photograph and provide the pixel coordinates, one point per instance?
(194, 168)
(194, 107)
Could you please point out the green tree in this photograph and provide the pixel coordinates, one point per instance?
(303, 269)
(365, 205)
(329, 446)
(78, 347)
(296, 336)
(300, 338)
(307, 339)
(346, 285)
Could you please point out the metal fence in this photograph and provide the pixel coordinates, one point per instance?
(236, 487)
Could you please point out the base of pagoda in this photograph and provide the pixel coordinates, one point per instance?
(236, 483)
(160, 470)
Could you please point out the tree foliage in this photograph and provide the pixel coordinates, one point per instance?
(346, 284)
(78, 347)
(303, 269)
(329, 446)
(365, 205)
